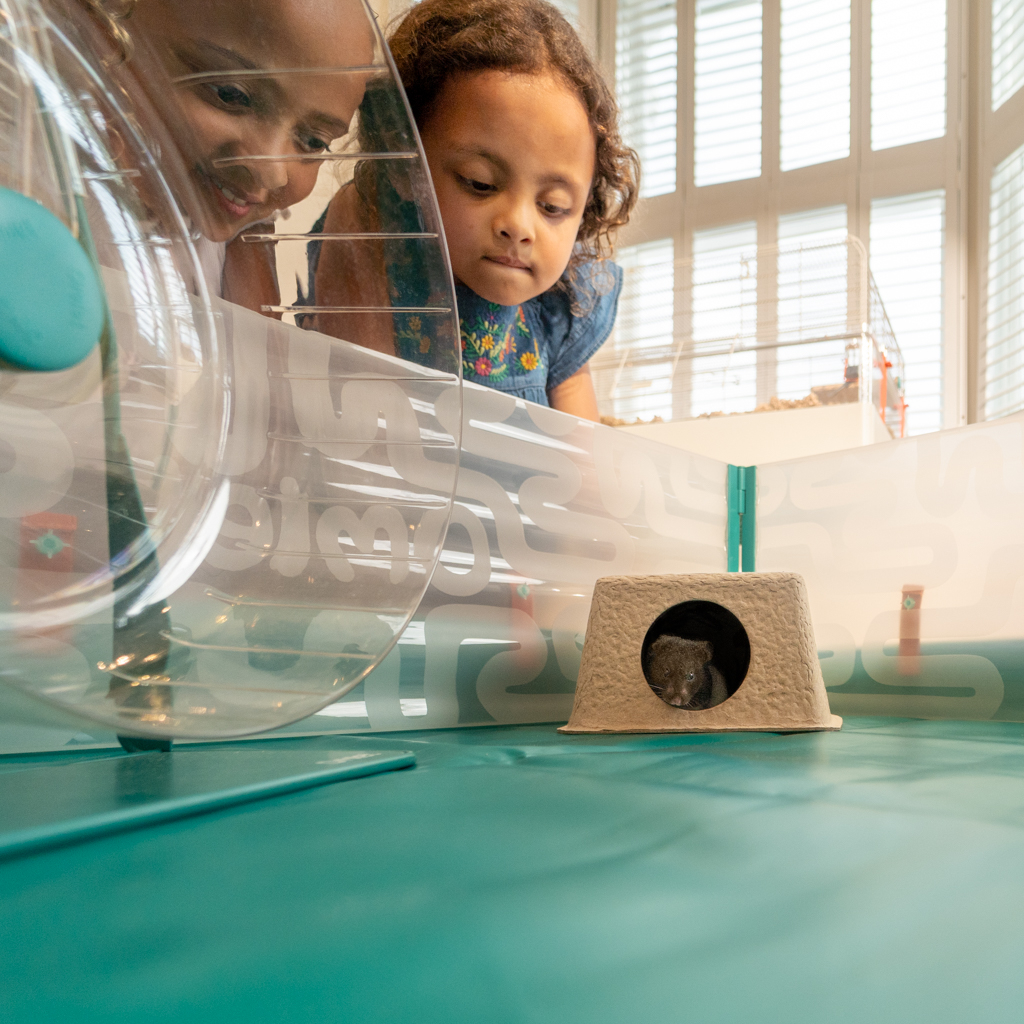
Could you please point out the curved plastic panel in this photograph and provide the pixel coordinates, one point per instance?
(223, 518)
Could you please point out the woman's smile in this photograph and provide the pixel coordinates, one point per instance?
(232, 200)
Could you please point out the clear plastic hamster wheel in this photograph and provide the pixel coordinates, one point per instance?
(230, 393)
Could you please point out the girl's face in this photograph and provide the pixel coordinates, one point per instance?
(232, 115)
(512, 158)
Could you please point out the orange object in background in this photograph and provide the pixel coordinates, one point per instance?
(48, 542)
(909, 663)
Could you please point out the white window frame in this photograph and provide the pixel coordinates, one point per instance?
(854, 181)
(993, 137)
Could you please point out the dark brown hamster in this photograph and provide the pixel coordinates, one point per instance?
(681, 674)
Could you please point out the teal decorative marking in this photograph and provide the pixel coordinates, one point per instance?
(49, 544)
(909, 603)
(523, 590)
(741, 529)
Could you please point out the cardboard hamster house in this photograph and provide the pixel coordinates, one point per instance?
(759, 627)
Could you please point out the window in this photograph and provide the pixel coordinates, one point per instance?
(908, 71)
(1004, 351)
(571, 10)
(803, 122)
(812, 299)
(906, 260)
(815, 61)
(642, 337)
(1001, 143)
(645, 76)
(724, 303)
(727, 115)
(1007, 50)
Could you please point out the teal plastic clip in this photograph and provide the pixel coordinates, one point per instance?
(741, 534)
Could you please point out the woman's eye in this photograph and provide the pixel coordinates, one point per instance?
(314, 144)
(232, 96)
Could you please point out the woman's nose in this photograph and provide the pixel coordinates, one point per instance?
(267, 172)
(270, 174)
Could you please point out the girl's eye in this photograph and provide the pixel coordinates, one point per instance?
(554, 211)
(232, 96)
(481, 188)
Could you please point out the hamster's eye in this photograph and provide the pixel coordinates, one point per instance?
(690, 677)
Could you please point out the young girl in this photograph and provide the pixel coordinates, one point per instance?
(532, 179)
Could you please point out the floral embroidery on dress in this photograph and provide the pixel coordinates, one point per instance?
(410, 337)
(492, 349)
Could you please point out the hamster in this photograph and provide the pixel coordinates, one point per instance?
(681, 674)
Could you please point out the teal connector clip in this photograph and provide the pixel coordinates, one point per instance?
(741, 535)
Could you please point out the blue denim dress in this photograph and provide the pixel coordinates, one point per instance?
(522, 350)
(526, 350)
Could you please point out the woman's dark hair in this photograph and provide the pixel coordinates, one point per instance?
(111, 14)
(440, 38)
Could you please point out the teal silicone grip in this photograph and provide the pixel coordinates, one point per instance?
(52, 307)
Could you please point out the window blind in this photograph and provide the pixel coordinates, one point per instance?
(815, 82)
(908, 71)
(906, 254)
(724, 314)
(1007, 50)
(1003, 365)
(645, 83)
(727, 68)
(643, 333)
(812, 299)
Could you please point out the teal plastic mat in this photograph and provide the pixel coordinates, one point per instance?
(515, 875)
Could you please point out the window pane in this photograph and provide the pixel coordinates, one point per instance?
(724, 293)
(908, 71)
(1004, 341)
(815, 81)
(571, 10)
(727, 130)
(906, 261)
(1007, 50)
(633, 371)
(645, 82)
(812, 302)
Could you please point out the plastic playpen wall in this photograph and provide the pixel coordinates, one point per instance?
(547, 504)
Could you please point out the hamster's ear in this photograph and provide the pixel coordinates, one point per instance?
(708, 649)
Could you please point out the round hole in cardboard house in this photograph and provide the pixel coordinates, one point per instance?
(695, 655)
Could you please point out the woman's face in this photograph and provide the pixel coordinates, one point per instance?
(254, 138)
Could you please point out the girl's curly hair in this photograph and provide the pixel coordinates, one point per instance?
(440, 38)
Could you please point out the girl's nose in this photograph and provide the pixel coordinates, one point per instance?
(514, 221)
